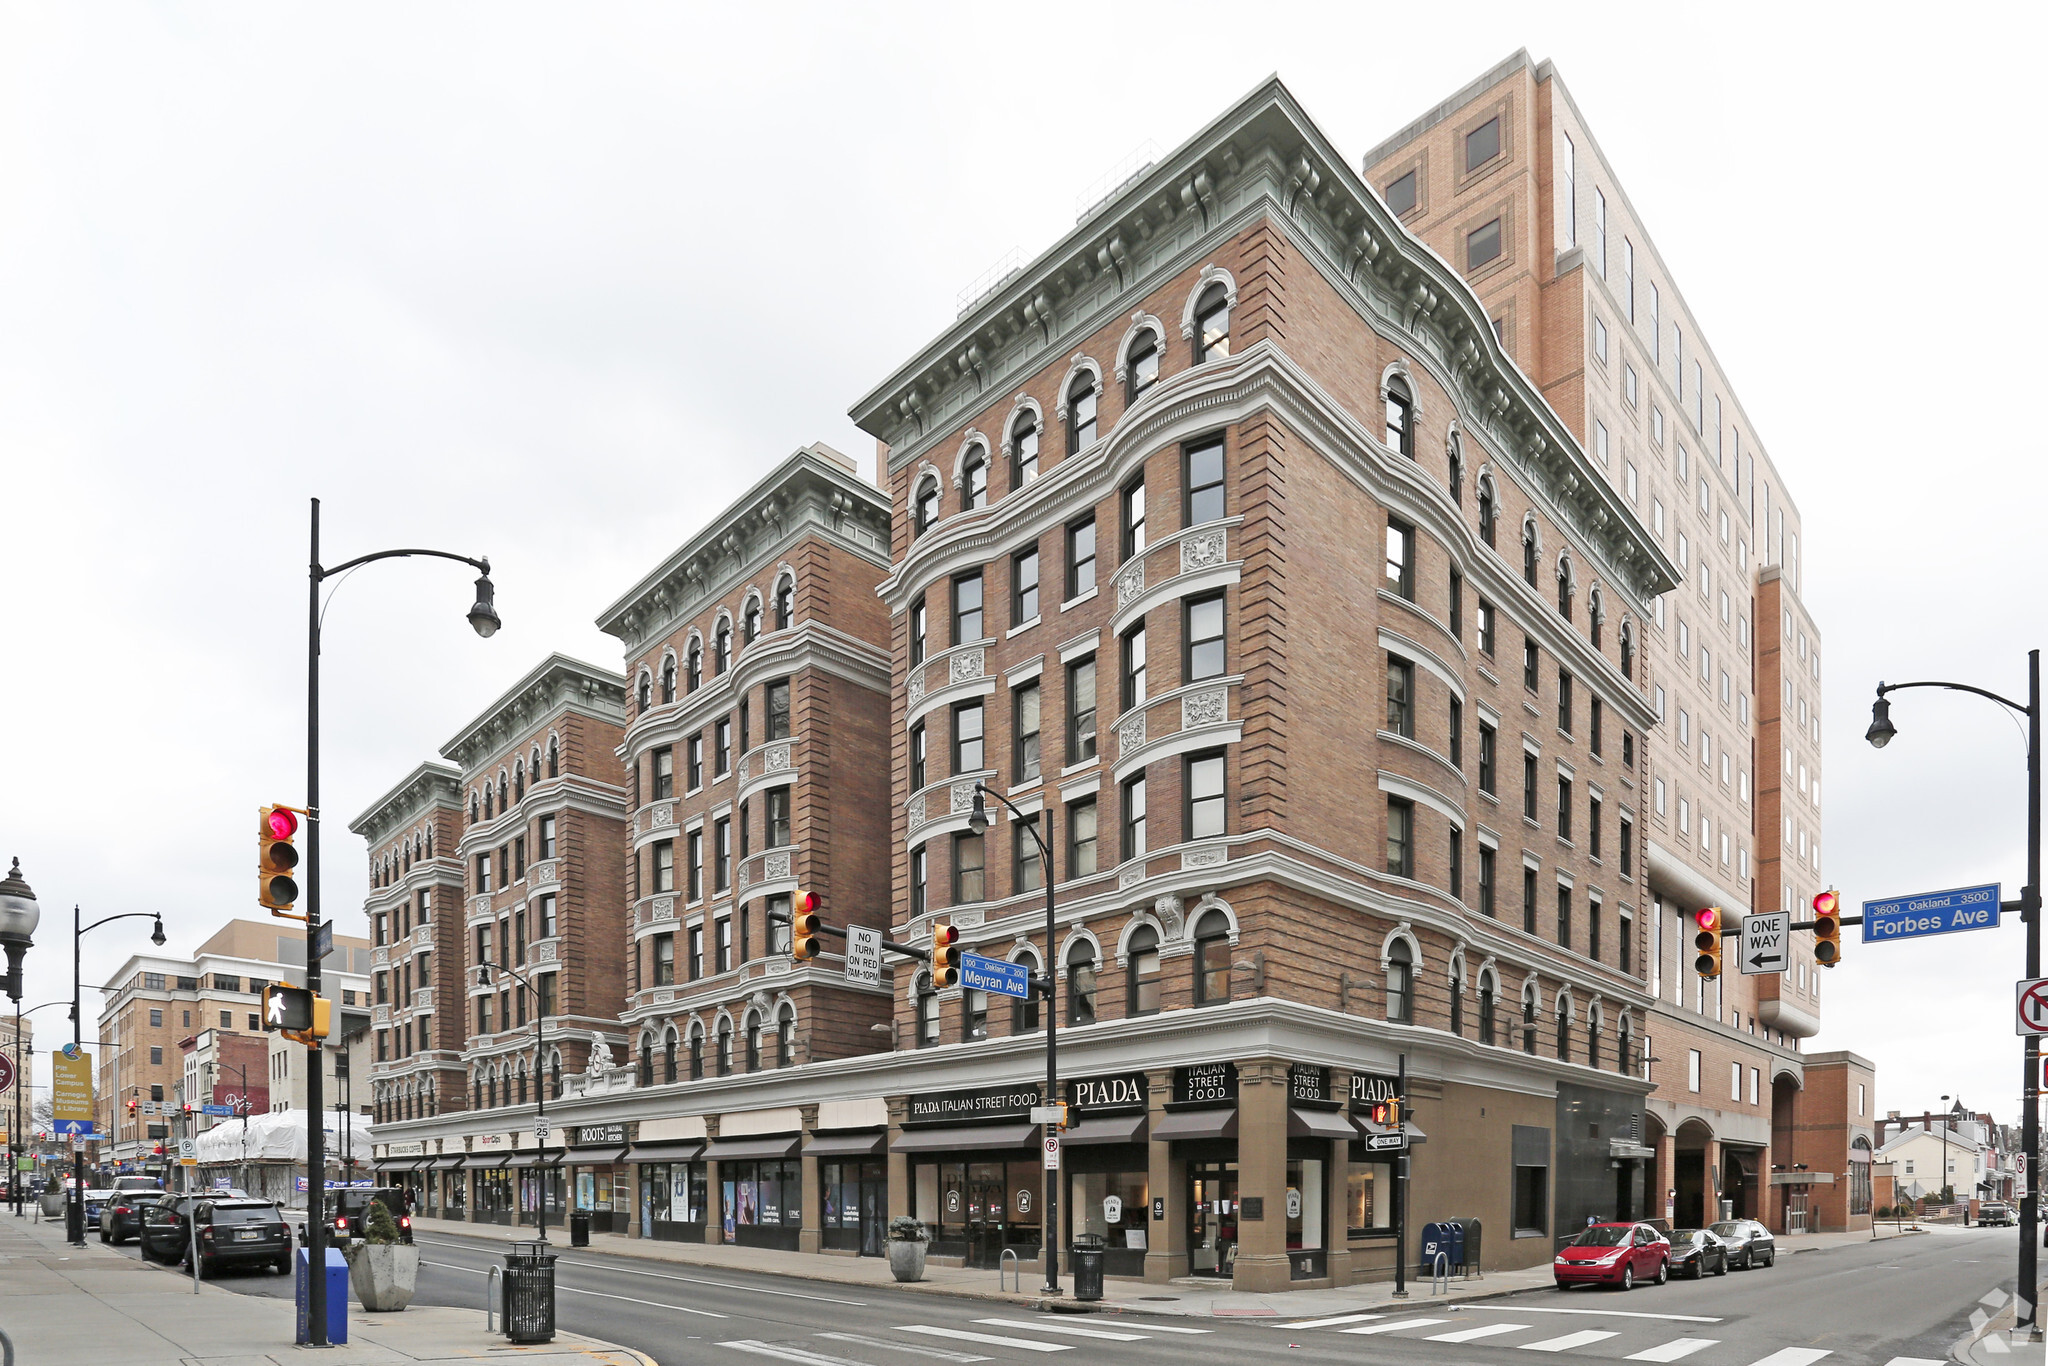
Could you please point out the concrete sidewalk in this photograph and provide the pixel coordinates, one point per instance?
(61, 1303)
(1190, 1296)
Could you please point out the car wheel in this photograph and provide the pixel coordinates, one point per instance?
(1663, 1270)
(1628, 1278)
(1724, 1265)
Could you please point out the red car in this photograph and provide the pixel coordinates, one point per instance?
(1614, 1254)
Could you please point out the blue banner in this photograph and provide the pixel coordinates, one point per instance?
(994, 975)
(1912, 917)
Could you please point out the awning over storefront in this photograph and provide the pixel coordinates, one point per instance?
(1330, 1124)
(848, 1145)
(1625, 1149)
(1197, 1124)
(743, 1149)
(977, 1138)
(596, 1157)
(1107, 1129)
(533, 1158)
(448, 1162)
(684, 1150)
(401, 1164)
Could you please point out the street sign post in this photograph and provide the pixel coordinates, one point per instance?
(864, 955)
(1925, 913)
(188, 1152)
(995, 975)
(1766, 943)
(1385, 1142)
(2031, 1014)
(1052, 1152)
(542, 1130)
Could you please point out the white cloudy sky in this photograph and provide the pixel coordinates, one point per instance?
(550, 284)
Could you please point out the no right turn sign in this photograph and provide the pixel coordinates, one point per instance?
(2032, 1011)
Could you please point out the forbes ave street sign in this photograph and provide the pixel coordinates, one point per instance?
(1766, 943)
(994, 974)
(1910, 917)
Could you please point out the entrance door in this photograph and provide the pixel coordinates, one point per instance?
(1795, 1209)
(987, 1208)
(1212, 1218)
(874, 1209)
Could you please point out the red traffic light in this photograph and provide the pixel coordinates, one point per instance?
(1708, 919)
(1827, 903)
(806, 903)
(281, 823)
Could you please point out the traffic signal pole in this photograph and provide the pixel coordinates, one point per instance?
(316, 1138)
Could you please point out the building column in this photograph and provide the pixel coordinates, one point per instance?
(812, 1236)
(1337, 1212)
(900, 1193)
(714, 1192)
(1262, 1094)
(1664, 1178)
(1166, 1252)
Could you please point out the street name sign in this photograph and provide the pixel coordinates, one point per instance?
(2032, 1007)
(1911, 917)
(1766, 943)
(864, 955)
(994, 975)
(224, 1111)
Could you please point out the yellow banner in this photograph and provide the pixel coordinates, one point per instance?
(72, 1087)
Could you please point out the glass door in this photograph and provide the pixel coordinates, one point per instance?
(1212, 1218)
(987, 1205)
(874, 1208)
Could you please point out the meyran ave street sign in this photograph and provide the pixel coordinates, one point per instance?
(1913, 917)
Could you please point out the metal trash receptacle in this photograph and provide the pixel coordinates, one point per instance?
(579, 1228)
(1087, 1257)
(529, 1305)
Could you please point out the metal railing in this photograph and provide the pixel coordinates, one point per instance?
(1440, 1274)
(494, 1295)
(1007, 1260)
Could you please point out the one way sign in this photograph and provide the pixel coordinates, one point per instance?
(1766, 943)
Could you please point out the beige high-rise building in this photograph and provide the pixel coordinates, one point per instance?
(1507, 182)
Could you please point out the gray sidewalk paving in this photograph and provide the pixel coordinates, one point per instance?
(61, 1303)
(1120, 1294)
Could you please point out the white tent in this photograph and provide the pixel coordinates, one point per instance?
(277, 1137)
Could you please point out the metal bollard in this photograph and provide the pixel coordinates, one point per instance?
(494, 1288)
(1012, 1260)
(1440, 1274)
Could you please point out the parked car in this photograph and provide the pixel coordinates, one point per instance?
(1996, 1214)
(95, 1199)
(230, 1233)
(138, 1183)
(121, 1216)
(1750, 1244)
(346, 1210)
(1613, 1254)
(1697, 1251)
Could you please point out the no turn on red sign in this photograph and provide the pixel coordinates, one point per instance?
(2031, 1014)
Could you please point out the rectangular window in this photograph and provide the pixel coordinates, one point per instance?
(1205, 482)
(1600, 232)
(1134, 519)
(696, 952)
(967, 608)
(1486, 617)
(1488, 741)
(1628, 847)
(1029, 874)
(696, 856)
(1400, 696)
(1486, 860)
(1456, 615)
(664, 960)
(968, 735)
(1080, 558)
(776, 817)
(1599, 340)
(970, 865)
(1133, 798)
(1024, 712)
(1204, 634)
(1081, 851)
(777, 694)
(1133, 651)
(1205, 813)
(1628, 276)
(665, 866)
(1593, 718)
(1081, 710)
(549, 926)
(664, 774)
(1024, 587)
(917, 632)
(917, 756)
(695, 746)
(1564, 808)
(1600, 440)
(1400, 837)
(1482, 144)
(1457, 863)
(1564, 702)
(1400, 559)
(721, 758)
(722, 944)
(1457, 736)
(1568, 172)
(483, 872)
(1529, 662)
(721, 854)
(1593, 808)
(1564, 917)
(1400, 195)
(1528, 900)
(1528, 785)
(1692, 1070)
(920, 876)
(1482, 245)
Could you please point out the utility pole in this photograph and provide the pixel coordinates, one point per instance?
(1401, 1179)
(316, 1144)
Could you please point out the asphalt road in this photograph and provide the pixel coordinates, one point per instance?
(1899, 1302)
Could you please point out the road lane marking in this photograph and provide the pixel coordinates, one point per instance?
(1330, 1323)
(1791, 1356)
(1484, 1330)
(1995, 1299)
(1152, 1327)
(1915, 1361)
(597, 1294)
(1598, 1313)
(784, 1353)
(992, 1339)
(1071, 1329)
(660, 1276)
(918, 1349)
(1568, 1341)
(1673, 1350)
(1396, 1326)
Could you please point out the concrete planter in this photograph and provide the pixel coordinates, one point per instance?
(383, 1274)
(906, 1258)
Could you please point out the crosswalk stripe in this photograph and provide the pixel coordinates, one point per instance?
(1484, 1330)
(1916, 1361)
(1791, 1356)
(1674, 1349)
(1330, 1323)
(992, 1339)
(1152, 1327)
(1567, 1342)
(1070, 1329)
(917, 1349)
(784, 1353)
(1396, 1326)
(1995, 1345)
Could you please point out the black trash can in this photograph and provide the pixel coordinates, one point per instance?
(579, 1228)
(1086, 1254)
(529, 1307)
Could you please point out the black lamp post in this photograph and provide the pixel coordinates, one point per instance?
(19, 916)
(483, 617)
(540, 1090)
(1048, 987)
(2029, 906)
(74, 1213)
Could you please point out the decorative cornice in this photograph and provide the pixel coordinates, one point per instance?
(558, 684)
(429, 785)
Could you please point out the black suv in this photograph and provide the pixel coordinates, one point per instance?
(121, 1215)
(230, 1233)
(346, 1210)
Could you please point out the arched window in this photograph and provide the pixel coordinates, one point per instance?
(488, 795)
(476, 1084)
(1141, 364)
(1141, 972)
(725, 1048)
(785, 603)
(1400, 417)
(1624, 1051)
(521, 1075)
(1458, 1004)
(1596, 616)
(1400, 983)
(519, 780)
(785, 1036)
(555, 1076)
(1212, 958)
(1564, 1034)
(646, 1061)
(750, 621)
(503, 788)
(974, 480)
(1564, 589)
(1212, 324)
(696, 1052)
(533, 763)
(1024, 1012)
(1529, 1019)
(1628, 654)
(668, 678)
(721, 647)
(1024, 449)
(1529, 553)
(927, 1011)
(693, 667)
(753, 1043)
(492, 1091)
(1593, 1044)
(1457, 474)
(1487, 987)
(925, 507)
(1081, 398)
(646, 693)
(1489, 511)
(1081, 983)
(668, 1055)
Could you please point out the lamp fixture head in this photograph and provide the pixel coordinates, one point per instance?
(483, 616)
(19, 913)
(1881, 729)
(156, 936)
(977, 819)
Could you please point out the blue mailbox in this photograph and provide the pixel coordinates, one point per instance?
(337, 1296)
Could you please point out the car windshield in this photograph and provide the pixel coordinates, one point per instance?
(1686, 1235)
(1735, 1230)
(245, 1214)
(1603, 1237)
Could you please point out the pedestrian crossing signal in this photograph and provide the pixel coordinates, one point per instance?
(1827, 928)
(945, 956)
(803, 927)
(296, 1013)
(1707, 942)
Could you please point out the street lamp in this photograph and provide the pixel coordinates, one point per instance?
(19, 916)
(2029, 906)
(484, 620)
(540, 1091)
(74, 1213)
(1048, 987)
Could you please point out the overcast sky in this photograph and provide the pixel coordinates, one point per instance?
(553, 284)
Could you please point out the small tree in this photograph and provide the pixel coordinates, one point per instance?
(378, 1225)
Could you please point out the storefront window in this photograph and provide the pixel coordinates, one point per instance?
(1369, 1198)
(1115, 1205)
(764, 1202)
(672, 1200)
(855, 1204)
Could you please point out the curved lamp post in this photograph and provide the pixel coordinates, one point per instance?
(1880, 734)
(19, 916)
(540, 1092)
(74, 1214)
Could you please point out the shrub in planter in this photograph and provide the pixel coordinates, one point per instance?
(383, 1270)
(907, 1241)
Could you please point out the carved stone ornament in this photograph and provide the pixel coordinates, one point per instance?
(1202, 551)
(423, 998)
(965, 665)
(746, 767)
(1130, 735)
(1131, 876)
(423, 936)
(1130, 581)
(665, 814)
(963, 796)
(1167, 908)
(746, 877)
(1204, 858)
(917, 809)
(600, 1062)
(776, 759)
(547, 953)
(664, 908)
(544, 873)
(380, 955)
(662, 998)
(914, 691)
(774, 867)
(1203, 709)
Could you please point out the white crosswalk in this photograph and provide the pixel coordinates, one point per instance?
(1672, 1350)
(1017, 1335)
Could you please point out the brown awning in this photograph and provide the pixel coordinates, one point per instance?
(1107, 1129)
(685, 1150)
(552, 1157)
(873, 1144)
(740, 1149)
(1197, 1124)
(597, 1157)
(973, 1138)
(448, 1162)
(1329, 1124)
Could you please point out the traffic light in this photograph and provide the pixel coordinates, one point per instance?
(276, 856)
(296, 1013)
(1387, 1113)
(1707, 961)
(132, 1105)
(945, 956)
(1827, 928)
(803, 926)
